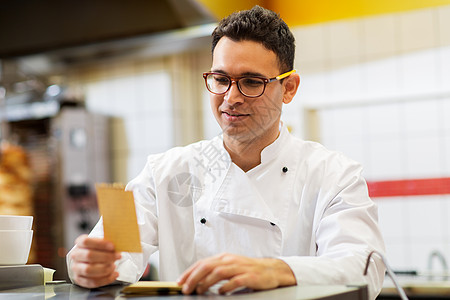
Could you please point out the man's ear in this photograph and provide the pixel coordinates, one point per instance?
(291, 85)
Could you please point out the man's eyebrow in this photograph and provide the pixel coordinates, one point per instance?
(245, 74)
(252, 74)
(218, 71)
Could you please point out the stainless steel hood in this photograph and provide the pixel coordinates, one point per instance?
(36, 26)
(44, 37)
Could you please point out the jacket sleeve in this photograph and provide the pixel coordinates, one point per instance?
(345, 232)
(132, 265)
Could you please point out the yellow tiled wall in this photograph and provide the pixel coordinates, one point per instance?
(304, 12)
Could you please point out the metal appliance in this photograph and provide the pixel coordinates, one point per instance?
(69, 153)
(82, 145)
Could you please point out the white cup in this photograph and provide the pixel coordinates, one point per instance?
(15, 246)
(16, 222)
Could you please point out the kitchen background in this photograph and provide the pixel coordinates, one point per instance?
(375, 86)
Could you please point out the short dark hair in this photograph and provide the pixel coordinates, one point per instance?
(259, 25)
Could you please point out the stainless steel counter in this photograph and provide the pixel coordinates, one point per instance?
(419, 290)
(70, 291)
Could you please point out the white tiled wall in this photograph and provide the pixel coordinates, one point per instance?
(381, 86)
(140, 105)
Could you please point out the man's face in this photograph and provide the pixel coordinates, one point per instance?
(242, 118)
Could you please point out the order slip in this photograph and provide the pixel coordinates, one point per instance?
(119, 217)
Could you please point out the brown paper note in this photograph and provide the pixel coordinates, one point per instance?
(119, 217)
(153, 288)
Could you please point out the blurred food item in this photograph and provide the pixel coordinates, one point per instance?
(16, 189)
(15, 181)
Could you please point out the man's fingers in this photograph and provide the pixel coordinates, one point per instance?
(93, 262)
(182, 279)
(235, 283)
(219, 273)
(194, 267)
(94, 256)
(84, 241)
(93, 270)
(94, 250)
(197, 274)
(94, 275)
(95, 282)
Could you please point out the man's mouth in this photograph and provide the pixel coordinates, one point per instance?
(234, 114)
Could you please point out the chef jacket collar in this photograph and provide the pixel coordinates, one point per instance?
(273, 150)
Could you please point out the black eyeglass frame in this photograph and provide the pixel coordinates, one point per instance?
(236, 80)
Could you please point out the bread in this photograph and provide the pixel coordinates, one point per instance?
(15, 181)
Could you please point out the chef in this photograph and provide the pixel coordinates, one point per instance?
(254, 207)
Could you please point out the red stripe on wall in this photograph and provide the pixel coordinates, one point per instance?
(411, 187)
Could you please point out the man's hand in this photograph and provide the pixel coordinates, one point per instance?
(93, 262)
(240, 271)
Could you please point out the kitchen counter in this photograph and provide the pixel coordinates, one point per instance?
(70, 291)
(417, 288)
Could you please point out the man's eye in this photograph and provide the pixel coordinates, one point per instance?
(252, 82)
(221, 80)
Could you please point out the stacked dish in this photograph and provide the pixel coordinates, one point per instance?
(15, 239)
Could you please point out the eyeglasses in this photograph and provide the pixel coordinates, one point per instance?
(249, 86)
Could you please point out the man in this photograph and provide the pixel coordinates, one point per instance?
(254, 207)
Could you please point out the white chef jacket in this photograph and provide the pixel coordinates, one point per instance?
(303, 204)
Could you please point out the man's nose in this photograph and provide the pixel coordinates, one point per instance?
(234, 95)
